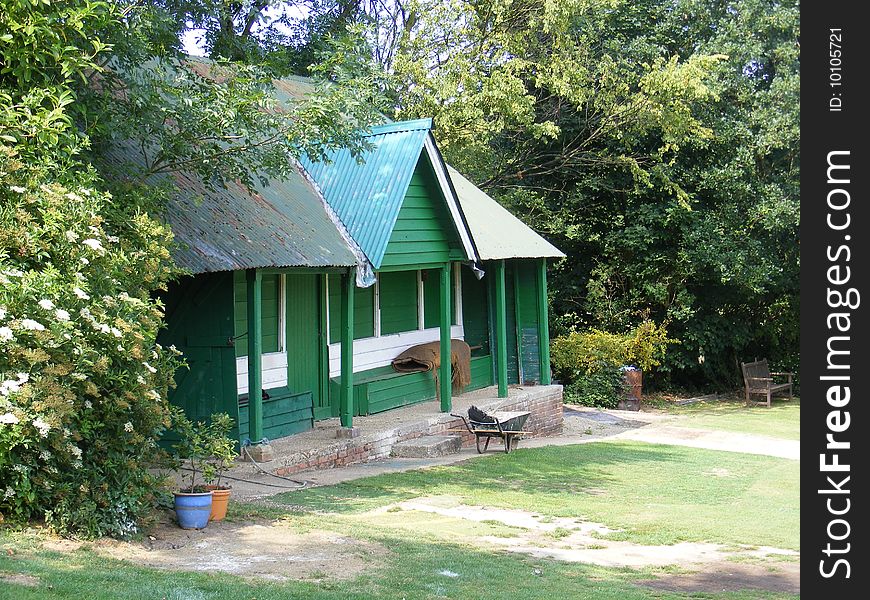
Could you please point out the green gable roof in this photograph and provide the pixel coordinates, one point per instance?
(496, 232)
(367, 194)
(424, 232)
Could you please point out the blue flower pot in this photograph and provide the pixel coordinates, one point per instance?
(192, 510)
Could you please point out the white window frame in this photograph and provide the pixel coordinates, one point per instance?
(274, 363)
(379, 350)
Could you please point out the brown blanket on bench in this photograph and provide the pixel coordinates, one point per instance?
(427, 357)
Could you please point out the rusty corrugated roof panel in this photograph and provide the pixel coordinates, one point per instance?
(367, 194)
(496, 232)
(283, 224)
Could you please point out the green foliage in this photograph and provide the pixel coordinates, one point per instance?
(221, 120)
(543, 87)
(601, 387)
(656, 143)
(644, 346)
(589, 363)
(83, 383)
(221, 453)
(587, 352)
(204, 448)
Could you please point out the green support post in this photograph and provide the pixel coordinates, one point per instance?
(500, 330)
(254, 280)
(445, 383)
(543, 323)
(345, 401)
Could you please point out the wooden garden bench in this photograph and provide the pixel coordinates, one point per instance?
(759, 381)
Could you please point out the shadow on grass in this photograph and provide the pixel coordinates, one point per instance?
(413, 570)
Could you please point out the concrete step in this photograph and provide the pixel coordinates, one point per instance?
(428, 446)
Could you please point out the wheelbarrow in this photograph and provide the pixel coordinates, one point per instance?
(505, 425)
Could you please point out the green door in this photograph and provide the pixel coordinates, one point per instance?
(526, 300)
(305, 343)
(199, 322)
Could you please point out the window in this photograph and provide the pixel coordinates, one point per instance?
(399, 302)
(363, 310)
(272, 319)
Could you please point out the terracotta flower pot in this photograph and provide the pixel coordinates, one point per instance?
(220, 500)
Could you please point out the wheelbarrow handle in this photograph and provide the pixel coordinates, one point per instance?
(467, 426)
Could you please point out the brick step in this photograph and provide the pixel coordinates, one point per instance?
(428, 446)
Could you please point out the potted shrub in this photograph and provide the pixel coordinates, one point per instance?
(221, 454)
(193, 501)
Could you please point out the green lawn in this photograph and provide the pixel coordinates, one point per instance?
(781, 420)
(656, 494)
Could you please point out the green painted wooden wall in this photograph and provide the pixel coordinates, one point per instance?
(475, 312)
(510, 318)
(284, 413)
(424, 231)
(521, 299)
(398, 301)
(381, 389)
(271, 304)
(527, 317)
(481, 372)
(302, 333)
(363, 311)
(431, 295)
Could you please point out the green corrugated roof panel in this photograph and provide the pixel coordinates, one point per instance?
(496, 232)
(367, 194)
(283, 224)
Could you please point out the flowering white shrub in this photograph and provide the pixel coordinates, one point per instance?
(82, 381)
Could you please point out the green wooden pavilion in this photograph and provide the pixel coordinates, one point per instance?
(303, 291)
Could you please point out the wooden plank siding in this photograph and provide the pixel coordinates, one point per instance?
(363, 310)
(284, 413)
(475, 312)
(424, 232)
(271, 305)
(481, 372)
(398, 300)
(527, 317)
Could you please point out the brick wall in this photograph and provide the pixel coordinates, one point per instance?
(543, 402)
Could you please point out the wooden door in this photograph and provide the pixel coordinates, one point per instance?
(199, 322)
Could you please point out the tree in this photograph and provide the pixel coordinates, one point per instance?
(83, 383)
(655, 142)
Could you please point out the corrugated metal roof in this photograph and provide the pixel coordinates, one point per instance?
(496, 232)
(283, 224)
(367, 194)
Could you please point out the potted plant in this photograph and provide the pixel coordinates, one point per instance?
(193, 501)
(221, 454)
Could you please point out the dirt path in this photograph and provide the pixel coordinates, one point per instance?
(278, 551)
(575, 540)
(733, 577)
(583, 424)
(264, 550)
